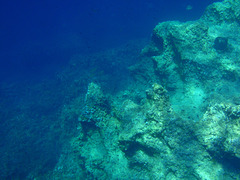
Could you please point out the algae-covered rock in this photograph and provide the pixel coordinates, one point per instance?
(157, 144)
(198, 56)
(97, 105)
(220, 131)
(194, 40)
(181, 117)
(226, 11)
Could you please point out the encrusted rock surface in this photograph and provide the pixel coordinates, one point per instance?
(181, 120)
(188, 59)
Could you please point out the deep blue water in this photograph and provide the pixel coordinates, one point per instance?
(37, 39)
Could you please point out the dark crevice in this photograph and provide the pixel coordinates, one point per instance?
(130, 148)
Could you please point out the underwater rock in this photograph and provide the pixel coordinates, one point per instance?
(157, 102)
(157, 93)
(157, 143)
(173, 131)
(94, 94)
(227, 11)
(220, 132)
(96, 105)
(194, 55)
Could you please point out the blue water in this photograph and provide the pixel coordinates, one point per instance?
(38, 37)
(37, 40)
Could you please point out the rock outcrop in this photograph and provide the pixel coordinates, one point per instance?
(186, 126)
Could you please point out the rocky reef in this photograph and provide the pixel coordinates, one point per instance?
(179, 119)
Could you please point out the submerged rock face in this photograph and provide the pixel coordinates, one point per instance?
(193, 59)
(221, 131)
(186, 122)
